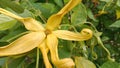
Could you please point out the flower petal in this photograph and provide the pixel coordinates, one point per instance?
(23, 44)
(65, 63)
(43, 48)
(59, 63)
(3, 11)
(55, 19)
(68, 35)
(30, 23)
(52, 45)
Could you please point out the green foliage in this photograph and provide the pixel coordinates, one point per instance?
(98, 15)
(6, 22)
(116, 24)
(110, 64)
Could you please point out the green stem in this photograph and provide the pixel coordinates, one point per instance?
(84, 50)
(101, 44)
(37, 60)
(6, 63)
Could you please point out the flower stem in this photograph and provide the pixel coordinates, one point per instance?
(37, 60)
(101, 44)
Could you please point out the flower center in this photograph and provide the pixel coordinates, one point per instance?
(47, 31)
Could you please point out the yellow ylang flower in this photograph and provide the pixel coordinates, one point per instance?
(46, 39)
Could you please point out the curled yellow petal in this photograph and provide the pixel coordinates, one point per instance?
(52, 44)
(55, 19)
(23, 44)
(30, 23)
(43, 48)
(68, 35)
(65, 63)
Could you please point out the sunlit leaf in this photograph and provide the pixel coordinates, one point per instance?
(110, 64)
(6, 22)
(116, 24)
(118, 14)
(81, 62)
(118, 3)
(106, 0)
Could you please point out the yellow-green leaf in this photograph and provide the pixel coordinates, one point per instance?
(81, 62)
(118, 14)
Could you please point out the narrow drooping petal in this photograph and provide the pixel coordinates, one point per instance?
(52, 44)
(23, 44)
(3, 11)
(43, 48)
(68, 35)
(30, 23)
(55, 19)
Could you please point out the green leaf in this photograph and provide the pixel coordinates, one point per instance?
(118, 3)
(65, 49)
(46, 8)
(12, 35)
(11, 4)
(59, 3)
(116, 24)
(81, 62)
(2, 61)
(106, 0)
(118, 13)
(16, 63)
(26, 13)
(6, 22)
(110, 64)
(91, 16)
(79, 14)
